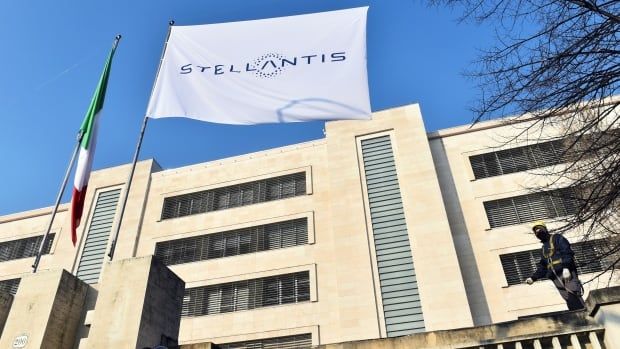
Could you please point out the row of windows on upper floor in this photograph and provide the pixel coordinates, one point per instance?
(24, 248)
(501, 212)
(531, 207)
(243, 194)
(295, 287)
(517, 159)
(234, 242)
(542, 154)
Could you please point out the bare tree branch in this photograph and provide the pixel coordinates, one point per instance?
(556, 65)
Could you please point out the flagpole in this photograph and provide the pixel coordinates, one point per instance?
(135, 157)
(63, 186)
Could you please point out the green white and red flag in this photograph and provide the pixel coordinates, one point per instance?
(87, 147)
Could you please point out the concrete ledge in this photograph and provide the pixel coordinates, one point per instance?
(522, 330)
(207, 345)
(601, 297)
(544, 326)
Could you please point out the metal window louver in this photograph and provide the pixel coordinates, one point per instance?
(24, 248)
(246, 294)
(517, 159)
(518, 266)
(399, 289)
(10, 286)
(97, 236)
(300, 341)
(531, 207)
(234, 196)
(234, 242)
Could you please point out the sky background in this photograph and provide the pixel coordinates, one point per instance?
(53, 54)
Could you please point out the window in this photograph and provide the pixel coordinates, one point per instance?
(300, 341)
(517, 159)
(234, 242)
(531, 207)
(235, 195)
(543, 154)
(247, 294)
(519, 266)
(24, 248)
(10, 286)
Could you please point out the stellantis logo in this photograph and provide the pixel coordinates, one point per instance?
(266, 66)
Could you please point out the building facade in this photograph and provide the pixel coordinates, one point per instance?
(380, 229)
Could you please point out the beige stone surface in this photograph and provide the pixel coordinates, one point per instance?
(46, 310)
(138, 313)
(479, 245)
(455, 253)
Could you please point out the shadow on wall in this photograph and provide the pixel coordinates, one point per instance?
(464, 251)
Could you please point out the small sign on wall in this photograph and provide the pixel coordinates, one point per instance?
(20, 341)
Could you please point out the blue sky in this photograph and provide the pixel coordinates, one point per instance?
(53, 53)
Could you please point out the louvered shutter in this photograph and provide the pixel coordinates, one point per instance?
(234, 242)
(247, 294)
(399, 288)
(300, 341)
(530, 207)
(276, 188)
(516, 159)
(97, 236)
(10, 286)
(24, 248)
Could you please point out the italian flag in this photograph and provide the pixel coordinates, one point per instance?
(87, 147)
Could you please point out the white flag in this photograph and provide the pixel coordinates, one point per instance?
(287, 69)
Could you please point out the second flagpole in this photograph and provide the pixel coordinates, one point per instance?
(135, 159)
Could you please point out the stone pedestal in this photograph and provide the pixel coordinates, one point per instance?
(46, 311)
(604, 306)
(138, 306)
